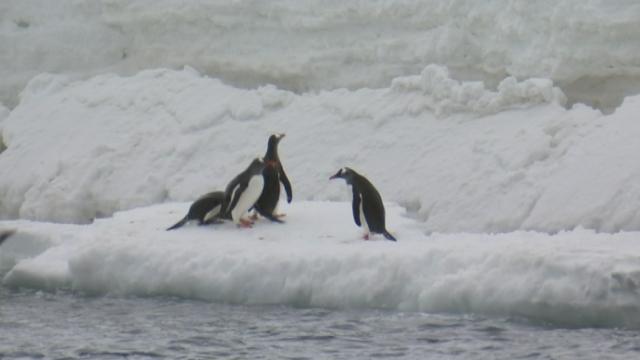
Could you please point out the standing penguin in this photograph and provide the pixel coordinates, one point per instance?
(273, 175)
(206, 209)
(243, 192)
(368, 210)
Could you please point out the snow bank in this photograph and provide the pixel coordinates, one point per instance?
(446, 95)
(317, 259)
(459, 156)
(588, 47)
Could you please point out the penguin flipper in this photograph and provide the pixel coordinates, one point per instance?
(212, 215)
(233, 198)
(389, 236)
(179, 223)
(287, 185)
(355, 206)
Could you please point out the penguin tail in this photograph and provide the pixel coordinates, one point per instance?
(273, 218)
(266, 214)
(179, 223)
(388, 236)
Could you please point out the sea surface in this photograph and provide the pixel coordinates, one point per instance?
(65, 325)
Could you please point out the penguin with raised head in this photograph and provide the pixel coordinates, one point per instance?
(273, 174)
(367, 206)
(206, 209)
(243, 191)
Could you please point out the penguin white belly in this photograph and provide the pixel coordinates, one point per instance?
(363, 219)
(248, 197)
(212, 214)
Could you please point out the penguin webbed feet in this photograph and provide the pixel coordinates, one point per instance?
(245, 223)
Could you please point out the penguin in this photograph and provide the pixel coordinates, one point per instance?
(206, 209)
(368, 210)
(273, 175)
(5, 234)
(242, 193)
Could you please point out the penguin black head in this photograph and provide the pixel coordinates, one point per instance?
(257, 165)
(271, 156)
(274, 139)
(345, 173)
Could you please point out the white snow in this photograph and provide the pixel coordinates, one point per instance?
(509, 195)
(318, 258)
(588, 47)
(459, 156)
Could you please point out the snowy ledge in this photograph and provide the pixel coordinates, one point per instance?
(318, 259)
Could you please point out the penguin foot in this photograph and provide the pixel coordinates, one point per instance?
(244, 223)
(278, 216)
(365, 237)
(254, 216)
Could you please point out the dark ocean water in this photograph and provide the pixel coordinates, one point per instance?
(63, 325)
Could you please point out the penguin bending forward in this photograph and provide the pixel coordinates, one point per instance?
(243, 191)
(368, 210)
(273, 174)
(206, 209)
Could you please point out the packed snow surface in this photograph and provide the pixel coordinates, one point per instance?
(318, 258)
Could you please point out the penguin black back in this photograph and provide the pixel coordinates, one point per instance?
(235, 190)
(366, 199)
(273, 174)
(206, 209)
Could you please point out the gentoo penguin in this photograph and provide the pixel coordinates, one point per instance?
(205, 209)
(243, 192)
(368, 210)
(5, 234)
(273, 174)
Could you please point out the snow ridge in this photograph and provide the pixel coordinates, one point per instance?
(586, 47)
(459, 156)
